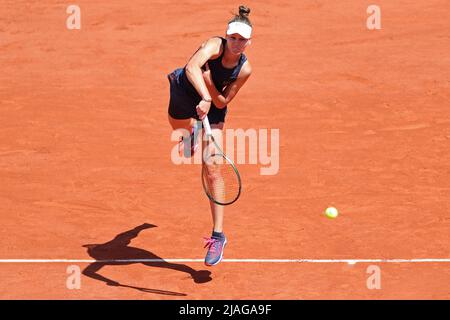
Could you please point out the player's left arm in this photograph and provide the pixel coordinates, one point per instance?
(222, 99)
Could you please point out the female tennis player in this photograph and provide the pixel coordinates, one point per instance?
(204, 87)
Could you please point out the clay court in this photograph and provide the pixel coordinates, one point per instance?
(87, 178)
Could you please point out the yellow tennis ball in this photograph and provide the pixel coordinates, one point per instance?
(331, 212)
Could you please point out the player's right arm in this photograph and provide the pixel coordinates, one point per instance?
(194, 74)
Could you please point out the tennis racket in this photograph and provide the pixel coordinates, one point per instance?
(220, 177)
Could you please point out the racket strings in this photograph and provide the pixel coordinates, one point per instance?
(221, 180)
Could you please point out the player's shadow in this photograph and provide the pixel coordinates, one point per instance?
(108, 254)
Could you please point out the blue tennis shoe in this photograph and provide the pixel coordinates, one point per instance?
(215, 246)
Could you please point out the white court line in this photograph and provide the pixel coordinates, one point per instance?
(349, 261)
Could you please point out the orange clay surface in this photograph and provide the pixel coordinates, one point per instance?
(364, 119)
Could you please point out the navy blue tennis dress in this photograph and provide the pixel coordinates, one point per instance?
(184, 98)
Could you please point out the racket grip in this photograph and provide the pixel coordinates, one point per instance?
(207, 126)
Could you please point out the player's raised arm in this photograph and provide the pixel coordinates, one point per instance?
(193, 68)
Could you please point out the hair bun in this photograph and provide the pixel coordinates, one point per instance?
(244, 11)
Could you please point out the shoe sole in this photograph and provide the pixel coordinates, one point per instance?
(221, 255)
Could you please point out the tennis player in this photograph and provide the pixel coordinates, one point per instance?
(205, 86)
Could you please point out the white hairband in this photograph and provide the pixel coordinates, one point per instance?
(241, 28)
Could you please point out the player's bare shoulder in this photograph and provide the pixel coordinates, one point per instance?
(213, 45)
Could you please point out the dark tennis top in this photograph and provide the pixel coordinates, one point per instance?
(221, 76)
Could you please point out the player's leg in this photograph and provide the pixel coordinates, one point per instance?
(181, 115)
(177, 124)
(214, 178)
(218, 240)
(188, 143)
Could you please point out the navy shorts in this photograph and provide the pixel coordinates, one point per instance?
(182, 104)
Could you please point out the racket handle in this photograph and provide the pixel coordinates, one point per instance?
(207, 126)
